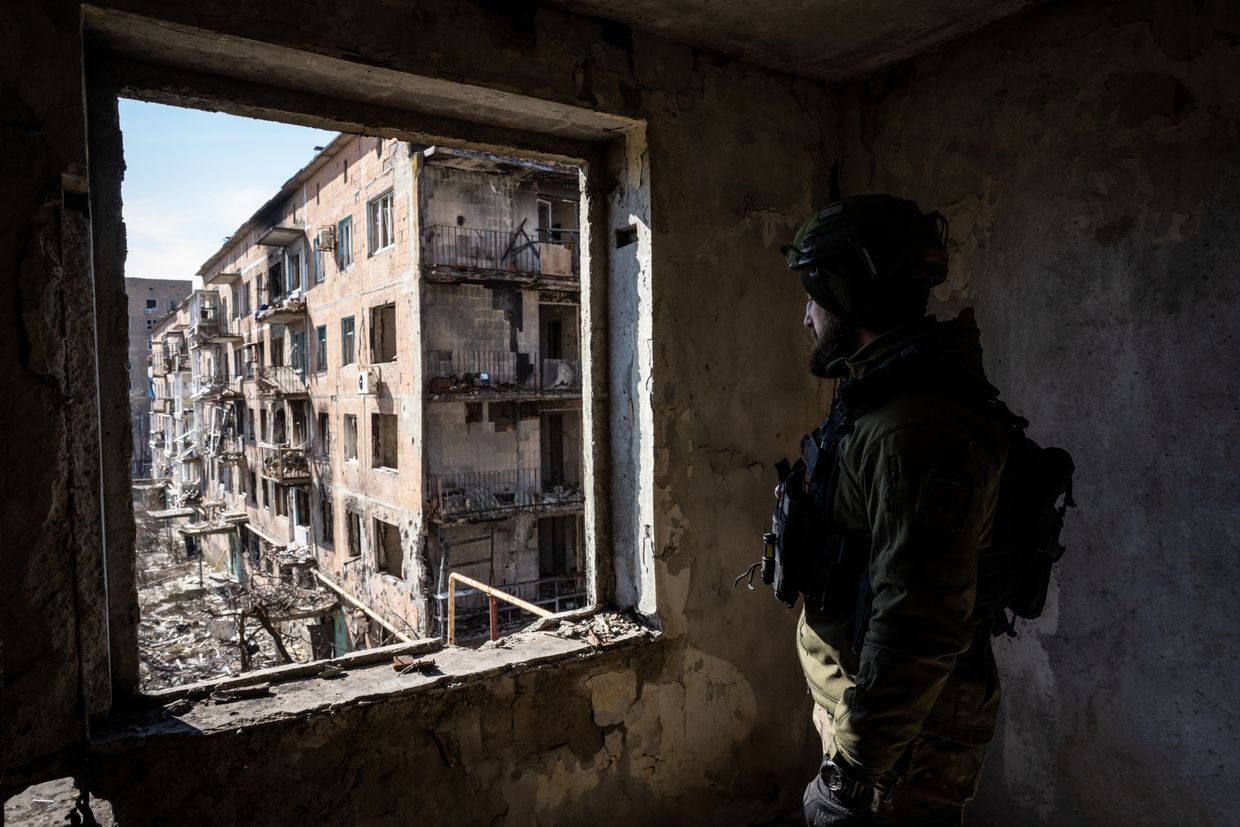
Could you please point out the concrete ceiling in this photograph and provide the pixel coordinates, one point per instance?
(830, 40)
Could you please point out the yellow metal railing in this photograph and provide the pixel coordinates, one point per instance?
(493, 596)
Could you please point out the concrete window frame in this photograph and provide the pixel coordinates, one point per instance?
(155, 60)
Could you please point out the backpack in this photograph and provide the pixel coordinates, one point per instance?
(1035, 492)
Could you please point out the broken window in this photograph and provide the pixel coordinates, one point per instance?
(388, 555)
(320, 272)
(275, 282)
(354, 528)
(279, 499)
(383, 333)
(327, 520)
(324, 434)
(383, 440)
(300, 435)
(301, 507)
(293, 262)
(346, 341)
(344, 241)
(320, 348)
(379, 227)
(350, 436)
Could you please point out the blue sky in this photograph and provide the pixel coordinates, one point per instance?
(193, 177)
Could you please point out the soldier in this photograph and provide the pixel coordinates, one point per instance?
(898, 493)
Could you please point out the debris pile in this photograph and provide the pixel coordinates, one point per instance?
(292, 304)
(601, 629)
(190, 615)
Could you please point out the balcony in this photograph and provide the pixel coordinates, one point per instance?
(481, 372)
(282, 380)
(287, 310)
(208, 324)
(229, 448)
(284, 464)
(491, 495)
(217, 386)
(161, 405)
(487, 374)
(545, 257)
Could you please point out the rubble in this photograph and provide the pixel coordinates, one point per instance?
(189, 618)
(599, 630)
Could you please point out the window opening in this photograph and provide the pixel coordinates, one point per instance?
(383, 333)
(494, 266)
(380, 230)
(389, 557)
(346, 341)
(350, 436)
(384, 440)
(320, 348)
(344, 243)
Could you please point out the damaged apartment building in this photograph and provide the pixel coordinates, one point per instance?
(1085, 154)
(379, 384)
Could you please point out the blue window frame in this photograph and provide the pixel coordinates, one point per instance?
(344, 242)
(320, 273)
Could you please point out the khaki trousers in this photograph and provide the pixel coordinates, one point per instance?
(932, 782)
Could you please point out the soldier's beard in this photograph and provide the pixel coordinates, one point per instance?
(838, 340)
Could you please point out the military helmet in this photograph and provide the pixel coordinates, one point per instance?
(871, 259)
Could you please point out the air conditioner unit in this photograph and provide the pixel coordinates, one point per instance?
(367, 380)
(327, 237)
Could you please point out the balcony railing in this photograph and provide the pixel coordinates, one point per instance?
(481, 495)
(518, 251)
(216, 385)
(490, 371)
(229, 448)
(282, 380)
(462, 371)
(284, 464)
(473, 613)
(472, 248)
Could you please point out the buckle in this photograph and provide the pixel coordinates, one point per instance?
(838, 782)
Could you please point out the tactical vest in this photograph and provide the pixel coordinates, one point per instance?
(807, 554)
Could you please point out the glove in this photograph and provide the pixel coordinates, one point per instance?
(825, 807)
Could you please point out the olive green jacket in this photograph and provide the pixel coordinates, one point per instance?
(919, 474)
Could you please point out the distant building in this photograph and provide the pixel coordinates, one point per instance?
(381, 380)
(149, 301)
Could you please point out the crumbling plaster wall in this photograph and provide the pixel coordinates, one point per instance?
(706, 721)
(1088, 160)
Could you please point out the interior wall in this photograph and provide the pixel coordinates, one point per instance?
(1087, 158)
(698, 722)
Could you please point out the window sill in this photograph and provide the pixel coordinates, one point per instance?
(297, 691)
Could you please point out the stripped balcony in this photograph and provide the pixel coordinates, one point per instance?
(514, 255)
(481, 372)
(217, 386)
(282, 380)
(489, 495)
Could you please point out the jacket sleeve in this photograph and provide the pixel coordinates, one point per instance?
(921, 488)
